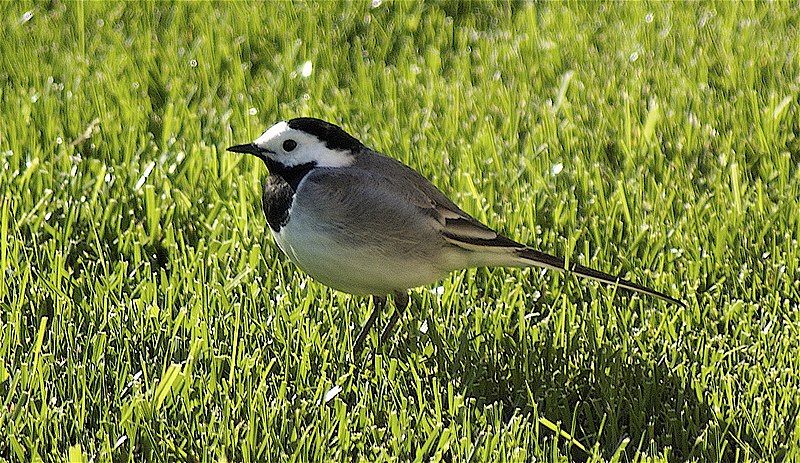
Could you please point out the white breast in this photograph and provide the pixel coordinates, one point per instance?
(356, 270)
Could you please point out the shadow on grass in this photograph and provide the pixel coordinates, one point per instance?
(606, 394)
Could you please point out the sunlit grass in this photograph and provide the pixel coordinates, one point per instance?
(146, 314)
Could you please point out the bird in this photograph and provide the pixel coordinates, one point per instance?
(364, 223)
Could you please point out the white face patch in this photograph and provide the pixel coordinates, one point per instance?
(271, 133)
(305, 148)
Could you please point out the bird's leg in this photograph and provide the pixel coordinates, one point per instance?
(378, 302)
(400, 303)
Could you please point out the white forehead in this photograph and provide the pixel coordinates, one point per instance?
(272, 133)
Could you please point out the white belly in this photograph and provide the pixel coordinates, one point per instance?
(352, 269)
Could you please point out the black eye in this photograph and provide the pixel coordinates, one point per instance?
(289, 145)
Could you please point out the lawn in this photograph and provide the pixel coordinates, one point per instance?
(147, 315)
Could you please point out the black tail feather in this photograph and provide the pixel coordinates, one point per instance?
(558, 263)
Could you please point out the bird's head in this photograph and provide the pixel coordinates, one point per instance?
(303, 141)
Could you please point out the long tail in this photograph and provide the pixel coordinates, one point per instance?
(545, 260)
(492, 249)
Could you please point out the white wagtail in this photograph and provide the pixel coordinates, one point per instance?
(364, 223)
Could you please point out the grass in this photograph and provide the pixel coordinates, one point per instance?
(146, 314)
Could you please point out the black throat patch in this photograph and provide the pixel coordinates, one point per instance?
(279, 191)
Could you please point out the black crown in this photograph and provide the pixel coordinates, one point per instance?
(333, 135)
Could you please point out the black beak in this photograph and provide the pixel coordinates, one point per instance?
(247, 148)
